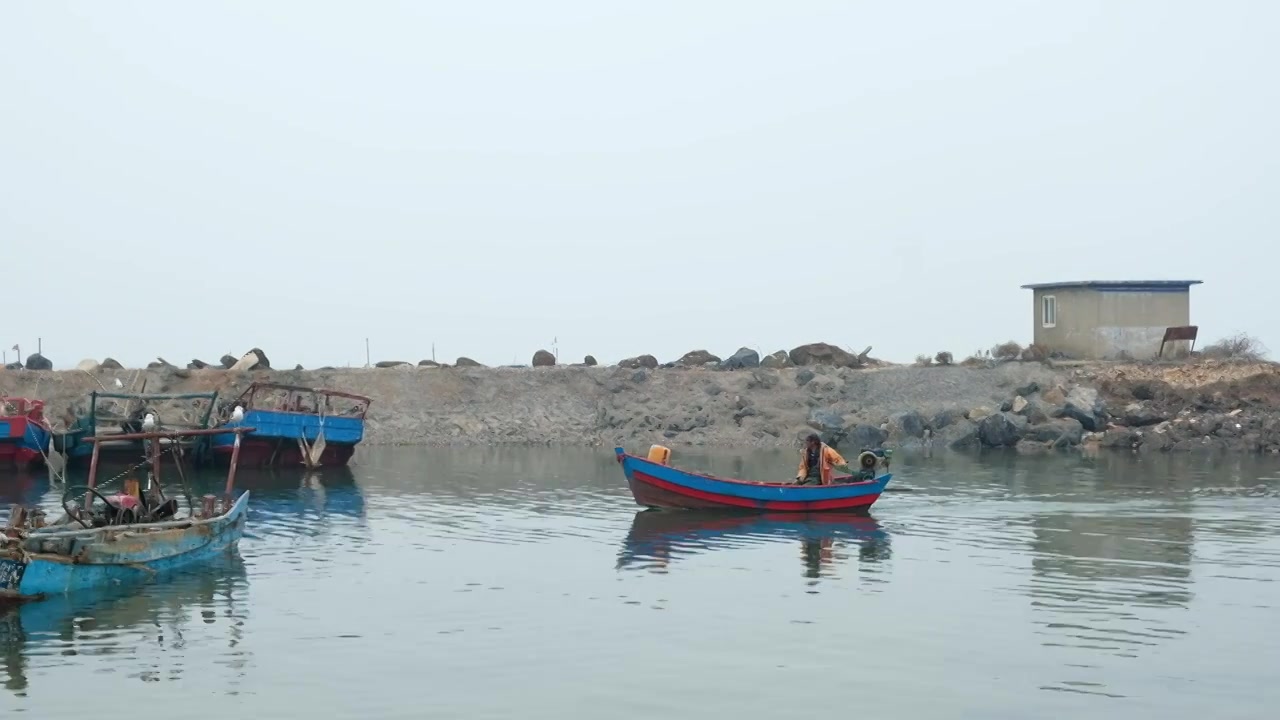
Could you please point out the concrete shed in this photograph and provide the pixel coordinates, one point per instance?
(1109, 319)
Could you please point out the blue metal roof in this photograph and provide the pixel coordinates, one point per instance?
(1119, 285)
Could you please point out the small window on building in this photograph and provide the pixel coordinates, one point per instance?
(1049, 311)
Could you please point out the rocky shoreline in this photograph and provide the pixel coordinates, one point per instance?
(854, 402)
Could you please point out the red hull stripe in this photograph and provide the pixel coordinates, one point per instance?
(860, 501)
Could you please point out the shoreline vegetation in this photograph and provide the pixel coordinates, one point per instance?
(1222, 399)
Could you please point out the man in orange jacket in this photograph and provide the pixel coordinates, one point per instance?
(817, 461)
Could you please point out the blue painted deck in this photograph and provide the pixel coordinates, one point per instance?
(128, 557)
(272, 424)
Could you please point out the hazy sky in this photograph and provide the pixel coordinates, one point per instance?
(190, 179)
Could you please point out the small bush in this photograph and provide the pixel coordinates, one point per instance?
(1237, 347)
(924, 360)
(943, 358)
(1035, 353)
(977, 359)
(1007, 351)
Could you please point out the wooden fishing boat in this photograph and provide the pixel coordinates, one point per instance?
(128, 537)
(654, 483)
(295, 425)
(114, 417)
(24, 433)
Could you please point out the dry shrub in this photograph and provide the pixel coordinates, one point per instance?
(924, 360)
(1236, 347)
(1035, 353)
(977, 359)
(1007, 351)
(943, 358)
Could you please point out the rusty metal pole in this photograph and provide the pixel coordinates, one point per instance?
(235, 461)
(155, 464)
(93, 475)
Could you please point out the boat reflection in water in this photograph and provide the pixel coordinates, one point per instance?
(285, 491)
(658, 537)
(197, 604)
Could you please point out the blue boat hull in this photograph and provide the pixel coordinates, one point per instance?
(129, 557)
(274, 440)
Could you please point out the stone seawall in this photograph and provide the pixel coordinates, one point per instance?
(1026, 405)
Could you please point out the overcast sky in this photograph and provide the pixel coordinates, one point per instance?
(191, 179)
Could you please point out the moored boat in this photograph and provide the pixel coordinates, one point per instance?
(113, 418)
(126, 537)
(655, 483)
(294, 425)
(24, 433)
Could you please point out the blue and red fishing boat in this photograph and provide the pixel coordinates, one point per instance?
(654, 483)
(24, 434)
(293, 425)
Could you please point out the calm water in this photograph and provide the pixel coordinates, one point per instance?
(523, 584)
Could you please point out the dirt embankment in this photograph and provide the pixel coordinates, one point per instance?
(1031, 406)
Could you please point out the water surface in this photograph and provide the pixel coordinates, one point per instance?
(524, 584)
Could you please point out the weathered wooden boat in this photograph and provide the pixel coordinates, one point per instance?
(128, 537)
(655, 483)
(113, 418)
(24, 433)
(295, 425)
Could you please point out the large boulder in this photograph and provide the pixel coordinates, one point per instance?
(907, 425)
(111, 364)
(1083, 404)
(390, 363)
(697, 358)
(36, 361)
(1121, 438)
(998, 430)
(741, 360)
(13, 366)
(255, 359)
(228, 361)
(88, 365)
(959, 434)
(777, 360)
(826, 420)
(197, 364)
(640, 361)
(823, 354)
(804, 377)
(1141, 414)
(944, 418)
(1033, 410)
(428, 364)
(467, 362)
(864, 437)
(590, 361)
(542, 358)
(1054, 396)
(1065, 431)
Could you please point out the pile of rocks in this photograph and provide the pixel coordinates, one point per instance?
(1032, 421)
